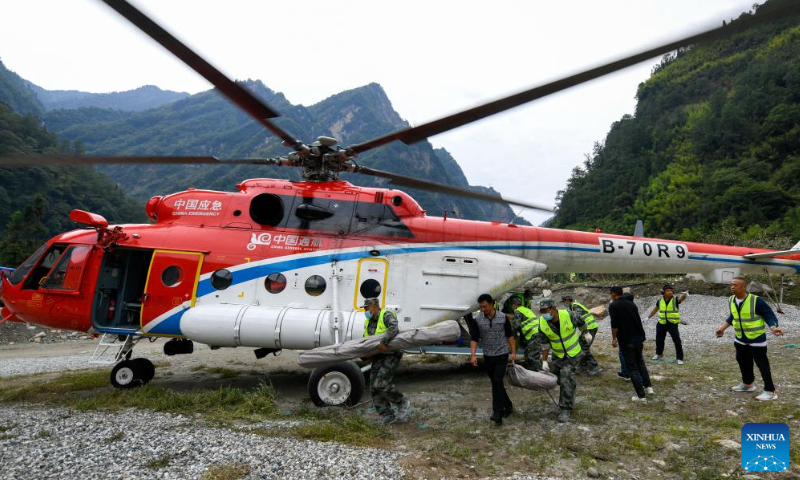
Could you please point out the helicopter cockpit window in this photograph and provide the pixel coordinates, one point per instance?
(267, 209)
(26, 267)
(378, 219)
(67, 273)
(45, 265)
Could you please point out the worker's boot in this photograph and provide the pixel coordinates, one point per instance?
(595, 371)
(564, 416)
(404, 411)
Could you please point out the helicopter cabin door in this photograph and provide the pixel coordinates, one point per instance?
(171, 282)
(371, 281)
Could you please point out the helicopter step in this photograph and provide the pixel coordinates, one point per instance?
(113, 347)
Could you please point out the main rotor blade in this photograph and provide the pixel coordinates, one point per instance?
(235, 92)
(421, 132)
(58, 160)
(410, 182)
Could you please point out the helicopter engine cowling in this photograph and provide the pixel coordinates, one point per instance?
(289, 327)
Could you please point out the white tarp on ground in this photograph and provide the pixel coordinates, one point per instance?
(447, 331)
(520, 376)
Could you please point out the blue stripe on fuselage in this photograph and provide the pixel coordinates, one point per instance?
(259, 271)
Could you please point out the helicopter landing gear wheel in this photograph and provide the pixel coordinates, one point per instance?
(126, 374)
(145, 368)
(340, 384)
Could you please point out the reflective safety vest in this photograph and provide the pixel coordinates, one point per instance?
(586, 316)
(530, 325)
(668, 311)
(380, 328)
(566, 340)
(748, 321)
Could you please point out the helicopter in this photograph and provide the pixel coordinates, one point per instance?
(284, 265)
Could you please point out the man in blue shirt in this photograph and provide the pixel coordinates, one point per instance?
(749, 316)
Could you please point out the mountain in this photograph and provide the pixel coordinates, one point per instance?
(15, 94)
(51, 192)
(35, 202)
(208, 124)
(142, 98)
(712, 151)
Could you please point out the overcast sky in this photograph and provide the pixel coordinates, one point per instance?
(431, 57)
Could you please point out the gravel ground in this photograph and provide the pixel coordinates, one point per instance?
(61, 443)
(705, 314)
(27, 366)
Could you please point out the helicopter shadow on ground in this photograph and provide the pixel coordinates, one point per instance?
(292, 382)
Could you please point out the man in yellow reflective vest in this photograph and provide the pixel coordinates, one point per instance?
(588, 362)
(526, 322)
(384, 363)
(750, 317)
(669, 317)
(561, 329)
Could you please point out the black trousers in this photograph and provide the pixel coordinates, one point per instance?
(745, 356)
(634, 362)
(661, 335)
(496, 369)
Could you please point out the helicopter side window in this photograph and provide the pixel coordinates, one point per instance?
(378, 219)
(45, 265)
(67, 273)
(20, 273)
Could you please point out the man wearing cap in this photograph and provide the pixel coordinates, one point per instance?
(559, 329)
(384, 393)
(669, 317)
(588, 362)
(494, 332)
(527, 324)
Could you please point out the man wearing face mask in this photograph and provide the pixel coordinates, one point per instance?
(384, 363)
(560, 329)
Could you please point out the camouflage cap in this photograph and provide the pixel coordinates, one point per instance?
(668, 287)
(371, 301)
(516, 299)
(567, 296)
(546, 303)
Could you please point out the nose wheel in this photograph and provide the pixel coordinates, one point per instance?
(340, 384)
(132, 373)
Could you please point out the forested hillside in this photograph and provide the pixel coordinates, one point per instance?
(712, 151)
(36, 201)
(207, 124)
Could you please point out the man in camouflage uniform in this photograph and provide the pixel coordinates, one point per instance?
(526, 323)
(588, 362)
(384, 363)
(558, 329)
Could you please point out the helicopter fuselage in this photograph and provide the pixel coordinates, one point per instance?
(283, 264)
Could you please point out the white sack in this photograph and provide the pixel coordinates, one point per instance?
(447, 331)
(520, 376)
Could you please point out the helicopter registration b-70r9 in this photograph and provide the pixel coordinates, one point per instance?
(286, 265)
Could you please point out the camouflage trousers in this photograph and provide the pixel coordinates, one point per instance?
(384, 393)
(533, 356)
(564, 369)
(588, 361)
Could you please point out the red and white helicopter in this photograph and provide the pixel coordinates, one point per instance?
(286, 265)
